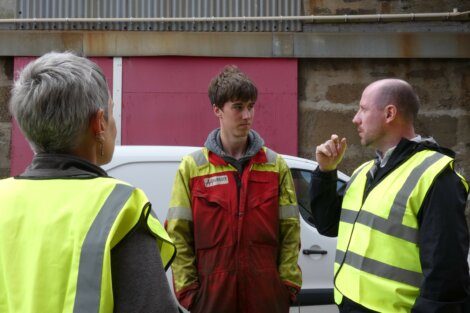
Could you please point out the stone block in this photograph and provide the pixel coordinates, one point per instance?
(467, 214)
(6, 71)
(316, 126)
(316, 76)
(440, 84)
(462, 159)
(344, 93)
(5, 139)
(442, 128)
(4, 172)
(4, 98)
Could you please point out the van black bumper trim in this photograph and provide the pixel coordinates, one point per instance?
(314, 297)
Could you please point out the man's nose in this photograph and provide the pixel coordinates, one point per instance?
(355, 119)
(246, 113)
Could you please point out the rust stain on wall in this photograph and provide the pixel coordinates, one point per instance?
(463, 44)
(72, 41)
(406, 45)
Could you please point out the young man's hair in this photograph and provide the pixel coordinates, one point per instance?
(231, 85)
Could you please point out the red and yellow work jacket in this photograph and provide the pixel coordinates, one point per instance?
(237, 235)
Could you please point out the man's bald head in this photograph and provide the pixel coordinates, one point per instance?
(398, 93)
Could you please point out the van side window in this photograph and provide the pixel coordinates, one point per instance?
(302, 180)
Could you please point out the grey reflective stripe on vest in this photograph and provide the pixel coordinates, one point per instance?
(180, 213)
(380, 269)
(88, 295)
(399, 204)
(287, 211)
(271, 156)
(348, 216)
(199, 157)
(393, 226)
(381, 224)
(353, 178)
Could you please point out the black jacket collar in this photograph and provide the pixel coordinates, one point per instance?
(50, 166)
(404, 150)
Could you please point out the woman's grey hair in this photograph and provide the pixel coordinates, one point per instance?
(54, 98)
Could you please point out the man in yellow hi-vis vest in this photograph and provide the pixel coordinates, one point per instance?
(402, 235)
(73, 239)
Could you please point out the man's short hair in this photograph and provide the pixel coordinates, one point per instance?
(54, 98)
(231, 85)
(399, 93)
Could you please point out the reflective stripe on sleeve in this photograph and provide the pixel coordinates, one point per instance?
(180, 213)
(271, 156)
(288, 211)
(88, 294)
(199, 157)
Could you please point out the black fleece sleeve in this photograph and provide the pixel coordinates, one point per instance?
(325, 202)
(139, 280)
(443, 243)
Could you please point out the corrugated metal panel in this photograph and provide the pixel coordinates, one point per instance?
(162, 8)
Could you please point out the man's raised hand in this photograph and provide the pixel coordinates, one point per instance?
(330, 153)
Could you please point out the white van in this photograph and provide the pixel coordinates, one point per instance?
(153, 169)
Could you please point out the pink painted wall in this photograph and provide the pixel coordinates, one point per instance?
(164, 102)
(21, 154)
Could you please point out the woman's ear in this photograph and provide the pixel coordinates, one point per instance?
(97, 122)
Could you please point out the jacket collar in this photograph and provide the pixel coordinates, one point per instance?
(213, 143)
(259, 157)
(254, 151)
(402, 152)
(49, 166)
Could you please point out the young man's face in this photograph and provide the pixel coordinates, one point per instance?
(236, 117)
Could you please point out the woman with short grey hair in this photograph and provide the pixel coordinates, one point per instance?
(73, 239)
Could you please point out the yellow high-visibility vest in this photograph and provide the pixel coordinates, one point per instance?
(377, 259)
(56, 237)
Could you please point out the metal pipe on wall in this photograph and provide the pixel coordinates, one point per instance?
(305, 18)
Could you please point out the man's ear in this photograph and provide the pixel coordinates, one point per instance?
(97, 122)
(217, 111)
(390, 113)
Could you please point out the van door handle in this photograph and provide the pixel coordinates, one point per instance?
(310, 251)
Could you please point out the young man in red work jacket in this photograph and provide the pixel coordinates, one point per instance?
(233, 214)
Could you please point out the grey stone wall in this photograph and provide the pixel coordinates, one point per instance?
(330, 89)
(327, 7)
(6, 71)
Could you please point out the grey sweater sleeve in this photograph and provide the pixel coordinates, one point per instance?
(139, 280)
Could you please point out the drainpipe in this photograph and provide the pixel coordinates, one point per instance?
(367, 18)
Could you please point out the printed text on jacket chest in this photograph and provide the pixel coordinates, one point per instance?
(216, 180)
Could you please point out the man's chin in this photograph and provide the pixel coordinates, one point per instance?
(243, 134)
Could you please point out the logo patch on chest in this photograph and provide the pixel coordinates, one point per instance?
(216, 180)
